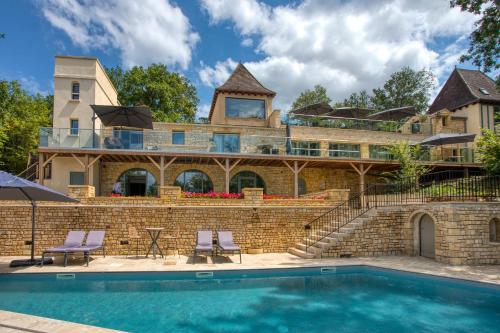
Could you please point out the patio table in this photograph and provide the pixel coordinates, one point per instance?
(154, 233)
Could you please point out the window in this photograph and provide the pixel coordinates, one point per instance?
(380, 153)
(76, 178)
(344, 150)
(136, 183)
(47, 172)
(73, 125)
(495, 230)
(488, 116)
(245, 108)
(444, 121)
(305, 148)
(194, 181)
(416, 128)
(227, 143)
(246, 179)
(75, 91)
(178, 137)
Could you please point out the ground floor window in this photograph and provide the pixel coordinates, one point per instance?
(305, 148)
(76, 178)
(344, 150)
(380, 152)
(194, 181)
(246, 179)
(136, 182)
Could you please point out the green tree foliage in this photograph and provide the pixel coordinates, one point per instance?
(484, 48)
(406, 87)
(308, 97)
(407, 156)
(488, 148)
(171, 97)
(21, 116)
(360, 100)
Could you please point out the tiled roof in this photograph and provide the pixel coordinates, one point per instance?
(243, 82)
(465, 87)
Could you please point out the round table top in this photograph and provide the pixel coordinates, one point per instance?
(155, 229)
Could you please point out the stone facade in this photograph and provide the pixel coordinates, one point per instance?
(461, 233)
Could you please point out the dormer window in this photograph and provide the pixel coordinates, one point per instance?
(484, 91)
(245, 108)
(444, 121)
(75, 91)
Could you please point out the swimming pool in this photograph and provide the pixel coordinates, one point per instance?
(341, 299)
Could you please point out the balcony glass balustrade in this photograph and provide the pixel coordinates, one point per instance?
(200, 141)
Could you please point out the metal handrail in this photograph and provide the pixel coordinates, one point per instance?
(465, 188)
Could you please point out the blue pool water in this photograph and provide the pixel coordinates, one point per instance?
(348, 299)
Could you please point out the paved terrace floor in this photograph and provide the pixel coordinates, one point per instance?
(16, 322)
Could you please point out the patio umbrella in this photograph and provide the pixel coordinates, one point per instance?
(447, 138)
(124, 116)
(16, 188)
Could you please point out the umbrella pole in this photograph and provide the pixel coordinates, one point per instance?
(33, 216)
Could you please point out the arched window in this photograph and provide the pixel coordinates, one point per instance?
(246, 179)
(194, 181)
(136, 182)
(495, 230)
(302, 186)
(75, 91)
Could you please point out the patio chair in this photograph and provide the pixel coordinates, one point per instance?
(133, 235)
(204, 243)
(94, 242)
(73, 240)
(226, 243)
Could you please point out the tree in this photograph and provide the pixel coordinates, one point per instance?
(308, 97)
(484, 48)
(171, 97)
(21, 116)
(488, 148)
(406, 87)
(407, 155)
(360, 100)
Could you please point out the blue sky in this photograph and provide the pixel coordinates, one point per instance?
(289, 45)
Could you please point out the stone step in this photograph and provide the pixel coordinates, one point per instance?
(301, 253)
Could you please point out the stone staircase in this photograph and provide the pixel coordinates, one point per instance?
(330, 239)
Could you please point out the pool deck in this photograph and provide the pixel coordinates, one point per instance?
(14, 322)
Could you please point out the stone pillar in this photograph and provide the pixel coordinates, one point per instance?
(81, 191)
(253, 194)
(170, 193)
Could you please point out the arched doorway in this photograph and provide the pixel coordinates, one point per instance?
(194, 181)
(246, 179)
(427, 236)
(137, 182)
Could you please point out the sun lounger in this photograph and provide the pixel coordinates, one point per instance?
(73, 240)
(94, 242)
(225, 243)
(204, 243)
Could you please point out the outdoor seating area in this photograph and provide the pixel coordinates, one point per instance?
(156, 244)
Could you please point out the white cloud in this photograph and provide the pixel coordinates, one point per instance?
(247, 42)
(215, 76)
(203, 111)
(345, 46)
(30, 84)
(143, 31)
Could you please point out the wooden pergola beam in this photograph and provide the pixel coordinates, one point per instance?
(226, 167)
(296, 171)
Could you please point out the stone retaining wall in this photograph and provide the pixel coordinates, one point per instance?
(462, 234)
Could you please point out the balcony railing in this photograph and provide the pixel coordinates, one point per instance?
(359, 124)
(202, 141)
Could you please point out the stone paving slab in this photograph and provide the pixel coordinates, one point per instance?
(19, 323)
(484, 273)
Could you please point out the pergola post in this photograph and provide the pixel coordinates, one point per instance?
(162, 167)
(41, 174)
(361, 172)
(86, 165)
(227, 168)
(295, 170)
